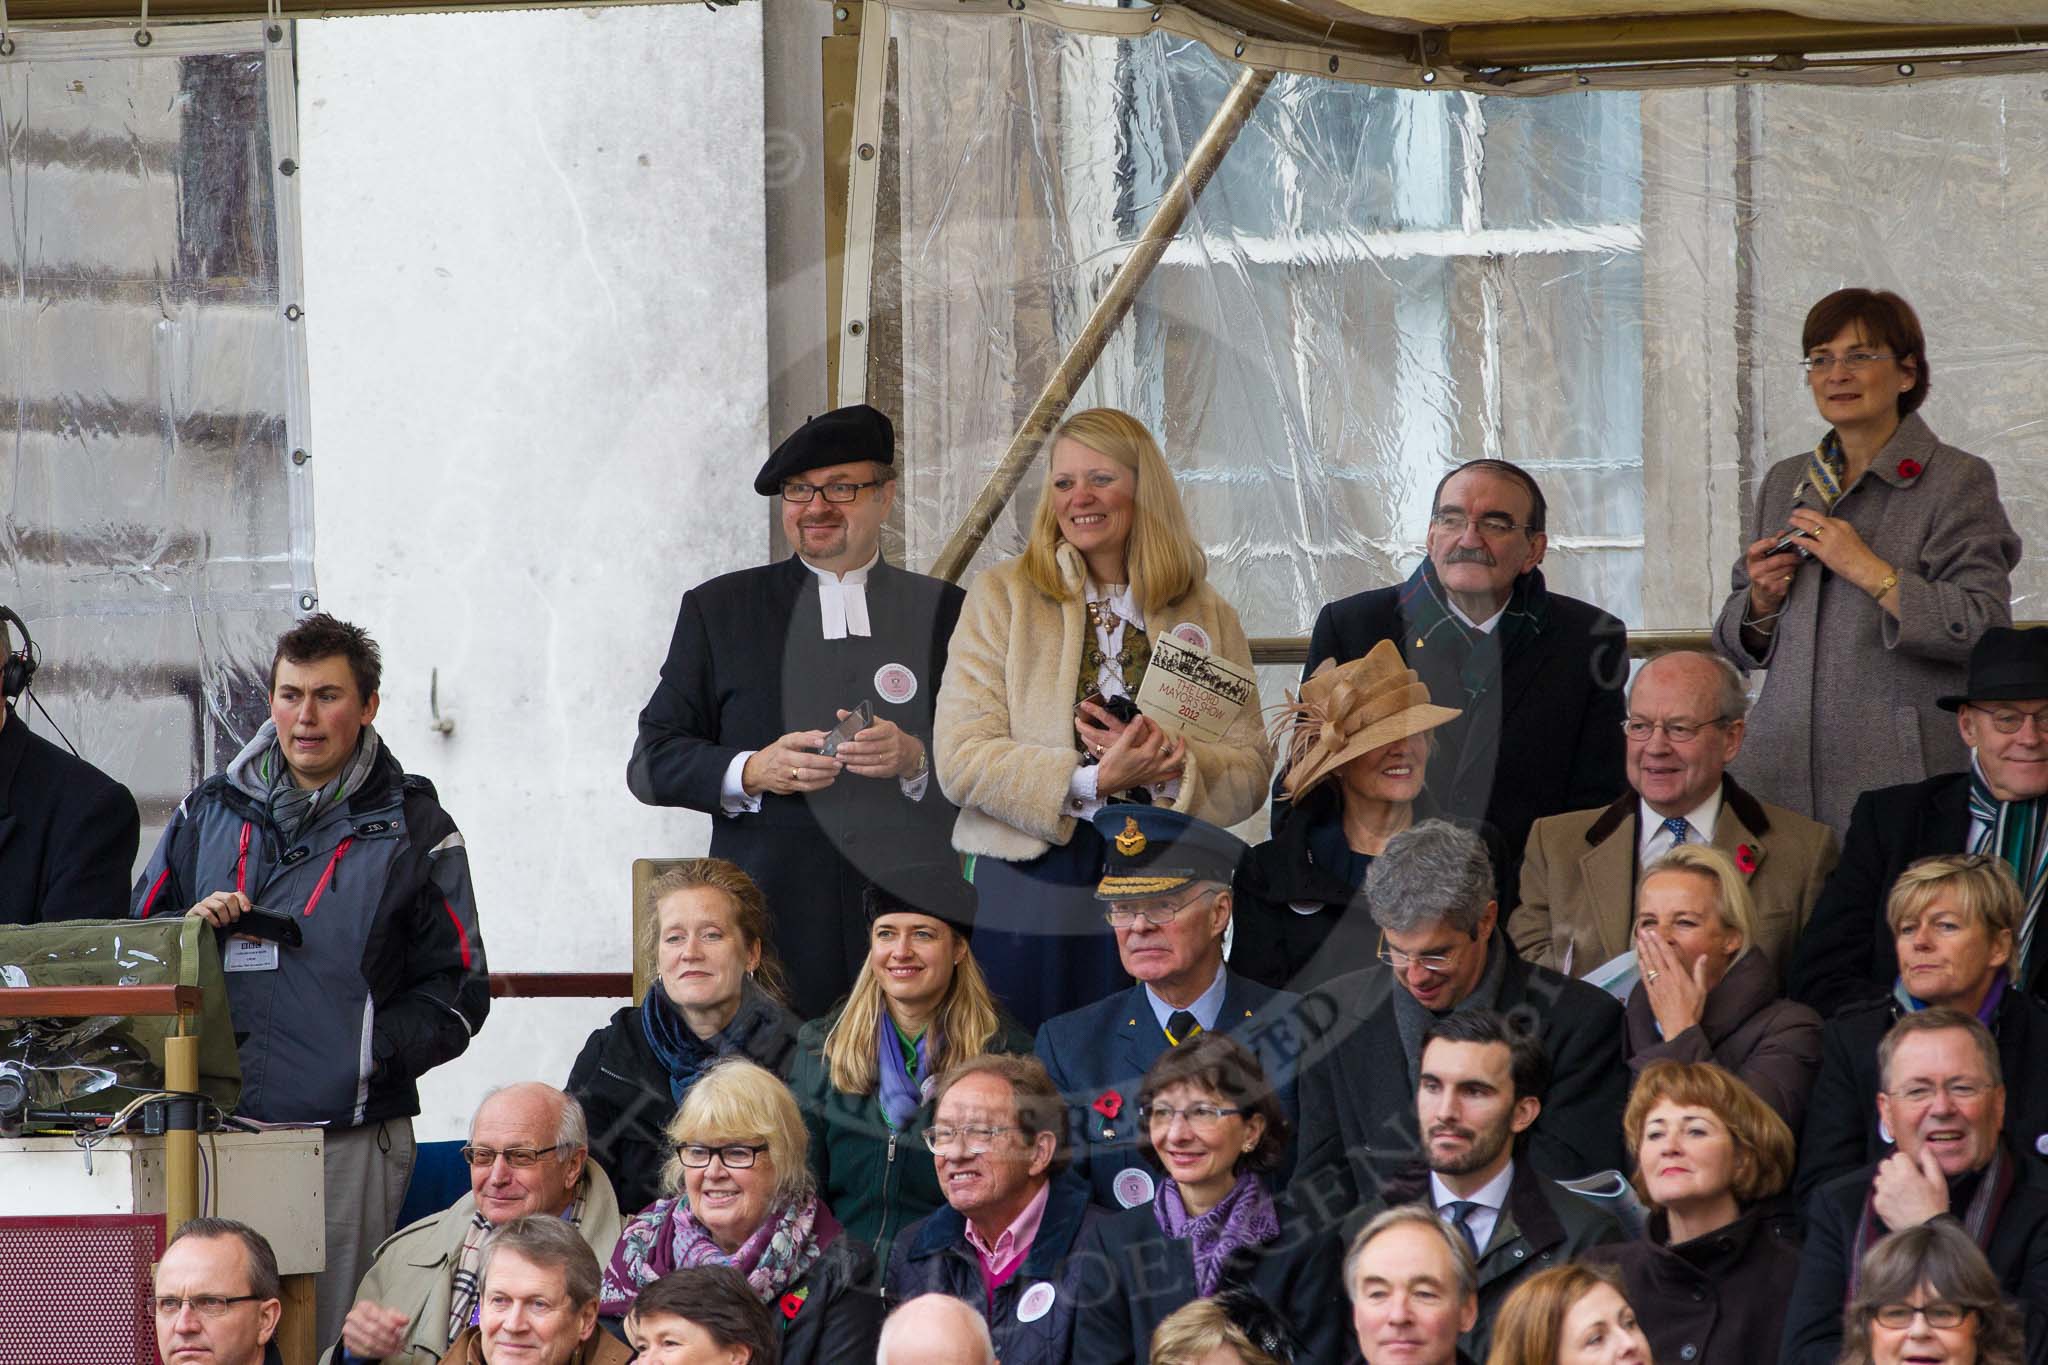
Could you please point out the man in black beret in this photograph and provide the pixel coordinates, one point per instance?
(1998, 805)
(764, 666)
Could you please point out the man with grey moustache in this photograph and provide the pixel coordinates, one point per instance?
(1477, 623)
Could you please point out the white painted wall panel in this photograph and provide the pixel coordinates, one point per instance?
(535, 251)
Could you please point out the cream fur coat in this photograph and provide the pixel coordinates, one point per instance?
(1003, 741)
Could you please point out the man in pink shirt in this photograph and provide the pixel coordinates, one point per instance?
(1013, 1213)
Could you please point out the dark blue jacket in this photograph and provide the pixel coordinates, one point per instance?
(1107, 1047)
(1142, 1275)
(933, 1257)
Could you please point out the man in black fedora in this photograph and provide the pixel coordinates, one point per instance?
(1998, 805)
(767, 662)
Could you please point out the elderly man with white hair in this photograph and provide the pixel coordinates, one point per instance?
(935, 1329)
(528, 1153)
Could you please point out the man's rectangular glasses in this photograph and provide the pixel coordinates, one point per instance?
(518, 1157)
(796, 490)
(205, 1305)
(979, 1137)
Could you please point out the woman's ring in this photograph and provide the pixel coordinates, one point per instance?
(1649, 976)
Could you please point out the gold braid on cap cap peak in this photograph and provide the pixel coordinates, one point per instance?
(1137, 888)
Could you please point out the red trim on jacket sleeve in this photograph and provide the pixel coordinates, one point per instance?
(461, 934)
(149, 901)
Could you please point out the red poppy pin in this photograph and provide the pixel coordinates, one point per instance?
(1745, 859)
(1108, 1104)
(793, 1301)
(1909, 469)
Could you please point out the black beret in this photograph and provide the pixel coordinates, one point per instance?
(839, 437)
(935, 889)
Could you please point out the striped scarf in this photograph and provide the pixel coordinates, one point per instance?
(1979, 1217)
(2012, 832)
(466, 1284)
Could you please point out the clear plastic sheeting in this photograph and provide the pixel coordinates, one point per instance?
(71, 1060)
(156, 532)
(1604, 286)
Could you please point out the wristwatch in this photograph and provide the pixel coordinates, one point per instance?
(924, 762)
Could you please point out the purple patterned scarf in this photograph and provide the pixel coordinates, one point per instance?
(665, 1236)
(1244, 1217)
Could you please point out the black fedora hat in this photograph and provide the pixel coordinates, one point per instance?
(2006, 665)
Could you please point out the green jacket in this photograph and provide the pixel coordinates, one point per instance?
(876, 1182)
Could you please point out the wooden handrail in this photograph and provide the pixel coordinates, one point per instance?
(85, 1002)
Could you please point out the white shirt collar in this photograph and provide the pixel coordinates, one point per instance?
(1492, 1195)
(1484, 627)
(843, 598)
(1208, 1007)
(1702, 818)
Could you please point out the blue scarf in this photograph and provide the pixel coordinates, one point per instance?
(681, 1052)
(902, 1093)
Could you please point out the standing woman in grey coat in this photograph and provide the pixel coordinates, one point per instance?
(1876, 560)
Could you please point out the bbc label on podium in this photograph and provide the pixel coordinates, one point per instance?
(1191, 692)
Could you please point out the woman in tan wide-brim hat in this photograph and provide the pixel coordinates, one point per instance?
(1358, 747)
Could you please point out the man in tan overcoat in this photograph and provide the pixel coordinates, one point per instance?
(1685, 723)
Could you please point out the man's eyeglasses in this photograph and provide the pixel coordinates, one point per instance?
(1677, 731)
(1494, 525)
(798, 491)
(1203, 1118)
(1962, 1092)
(517, 1157)
(734, 1157)
(1123, 914)
(1436, 964)
(205, 1305)
(1897, 1315)
(1853, 362)
(2009, 722)
(979, 1137)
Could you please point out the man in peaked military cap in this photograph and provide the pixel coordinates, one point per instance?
(766, 662)
(1165, 891)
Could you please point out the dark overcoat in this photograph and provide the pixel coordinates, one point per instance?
(1546, 739)
(68, 833)
(2018, 1253)
(1841, 1131)
(749, 663)
(1357, 1092)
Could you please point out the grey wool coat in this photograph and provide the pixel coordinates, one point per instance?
(1837, 656)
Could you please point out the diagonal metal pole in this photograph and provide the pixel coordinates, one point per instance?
(1116, 301)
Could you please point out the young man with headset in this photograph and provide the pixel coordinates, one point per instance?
(68, 832)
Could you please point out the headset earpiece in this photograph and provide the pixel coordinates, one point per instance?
(20, 668)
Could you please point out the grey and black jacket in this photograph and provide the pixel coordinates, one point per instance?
(391, 980)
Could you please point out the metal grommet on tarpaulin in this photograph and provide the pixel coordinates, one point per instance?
(143, 37)
(6, 43)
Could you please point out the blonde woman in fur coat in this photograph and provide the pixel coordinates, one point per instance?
(1035, 730)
